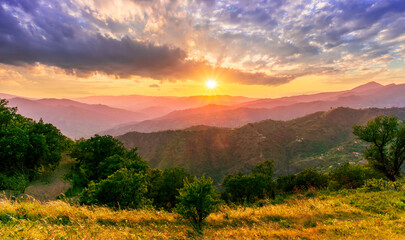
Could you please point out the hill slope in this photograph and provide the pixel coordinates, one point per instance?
(210, 115)
(74, 119)
(220, 151)
(353, 215)
(368, 95)
(157, 106)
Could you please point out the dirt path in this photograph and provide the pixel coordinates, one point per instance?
(52, 185)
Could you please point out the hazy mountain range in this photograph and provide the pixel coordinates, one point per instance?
(369, 95)
(117, 115)
(220, 151)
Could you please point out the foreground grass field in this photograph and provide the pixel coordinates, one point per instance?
(343, 215)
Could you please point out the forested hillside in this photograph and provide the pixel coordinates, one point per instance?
(220, 151)
(27, 148)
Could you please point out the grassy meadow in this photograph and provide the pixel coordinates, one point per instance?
(353, 214)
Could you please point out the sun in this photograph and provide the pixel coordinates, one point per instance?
(211, 83)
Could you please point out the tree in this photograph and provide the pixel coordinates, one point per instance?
(264, 172)
(352, 176)
(258, 184)
(168, 185)
(125, 188)
(26, 145)
(387, 150)
(197, 200)
(98, 158)
(310, 178)
(90, 152)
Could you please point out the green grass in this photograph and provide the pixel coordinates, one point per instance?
(354, 214)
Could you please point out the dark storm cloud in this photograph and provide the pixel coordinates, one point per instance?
(57, 39)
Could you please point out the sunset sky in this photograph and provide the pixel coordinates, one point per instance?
(266, 48)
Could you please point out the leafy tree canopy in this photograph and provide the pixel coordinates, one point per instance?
(197, 200)
(387, 150)
(26, 145)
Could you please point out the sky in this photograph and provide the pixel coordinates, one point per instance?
(263, 48)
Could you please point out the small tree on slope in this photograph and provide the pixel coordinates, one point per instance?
(387, 150)
(197, 201)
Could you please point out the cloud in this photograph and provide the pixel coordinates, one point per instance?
(249, 42)
(65, 44)
(154, 86)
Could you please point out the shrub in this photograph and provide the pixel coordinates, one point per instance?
(286, 183)
(375, 185)
(310, 178)
(125, 188)
(197, 200)
(247, 188)
(165, 190)
(16, 182)
(352, 176)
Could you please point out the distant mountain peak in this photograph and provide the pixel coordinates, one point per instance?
(368, 86)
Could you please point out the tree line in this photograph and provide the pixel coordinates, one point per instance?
(27, 148)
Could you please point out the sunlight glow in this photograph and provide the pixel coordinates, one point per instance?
(211, 83)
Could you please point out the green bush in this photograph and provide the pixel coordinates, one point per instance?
(286, 183)
(16, 182)
(376, 185)
(197, 200)
(26, 148)
(125, 188)
(251, 187)
(310, 178)
(351, 176)
(98, 158)
(165, 190)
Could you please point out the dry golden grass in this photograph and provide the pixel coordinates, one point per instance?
(323, 217)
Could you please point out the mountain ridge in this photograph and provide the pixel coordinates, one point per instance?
(220, 151)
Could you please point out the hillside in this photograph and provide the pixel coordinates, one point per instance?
(220, 151)
(210, 115)
(346, 215)
(368, 95)
(157, 106)
(74, 119)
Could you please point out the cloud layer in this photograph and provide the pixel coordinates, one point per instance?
(250, 42)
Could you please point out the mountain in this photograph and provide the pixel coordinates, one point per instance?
(220, 151)
(159, 106)
(325, 96)
(210, 115)
(74, 119)
(368, 95)
(6, 96)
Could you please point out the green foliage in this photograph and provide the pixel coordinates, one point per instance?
(304, 180)
(106, 173)
(164, 190)
(286, 183)
(247, 188)
(376, 185)
(387, 150)
(197, 200)
(89, 153)
(125, 188)
(27, 146)
(351, 176)
(98, 158)
(310, 178)
(17, 182)
(387, 203)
